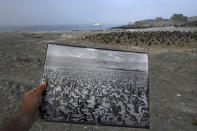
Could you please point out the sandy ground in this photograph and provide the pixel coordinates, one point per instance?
(172, 75)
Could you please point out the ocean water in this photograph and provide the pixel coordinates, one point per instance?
(53, 28)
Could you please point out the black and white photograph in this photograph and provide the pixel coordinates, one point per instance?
(95, 86)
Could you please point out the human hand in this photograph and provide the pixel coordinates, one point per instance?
(31, 102)
(28, 112)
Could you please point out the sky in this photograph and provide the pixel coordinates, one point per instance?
(90, 53)
(96, 59)
(81, 12)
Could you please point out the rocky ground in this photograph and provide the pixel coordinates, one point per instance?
(172, 75)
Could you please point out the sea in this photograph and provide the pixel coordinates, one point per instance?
(38, 28)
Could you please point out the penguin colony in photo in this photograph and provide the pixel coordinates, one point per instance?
(96, 97)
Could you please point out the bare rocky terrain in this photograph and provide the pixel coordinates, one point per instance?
(172, 78)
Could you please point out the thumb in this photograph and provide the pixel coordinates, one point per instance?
(42, 87)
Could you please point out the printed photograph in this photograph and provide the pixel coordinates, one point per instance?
(95, 86)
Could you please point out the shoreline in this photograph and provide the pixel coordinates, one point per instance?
(94, 29)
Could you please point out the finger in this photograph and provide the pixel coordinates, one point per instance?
(42, 87)
(34, 90)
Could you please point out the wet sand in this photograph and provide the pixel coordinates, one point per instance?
(172, 77)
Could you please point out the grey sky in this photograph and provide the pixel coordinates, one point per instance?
(56, 12)
(89, 53)
(92, 58)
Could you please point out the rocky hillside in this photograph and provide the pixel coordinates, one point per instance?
(175, 20)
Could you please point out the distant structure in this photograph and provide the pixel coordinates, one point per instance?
(130, 23)
(178, 19)
(97, 24)
(159, 18)
(193, 18)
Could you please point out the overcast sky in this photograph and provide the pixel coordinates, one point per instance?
(61, 12)
(89, 53)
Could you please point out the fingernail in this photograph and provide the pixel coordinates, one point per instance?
(43, 83)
